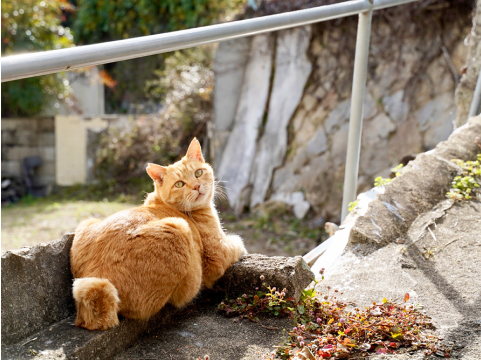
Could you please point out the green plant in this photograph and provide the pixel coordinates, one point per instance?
(329, 328)
(184, 87)
(466, 184)
(271, 301)
(353, 204)
(98, 21)
(34, 26)
(380, 181)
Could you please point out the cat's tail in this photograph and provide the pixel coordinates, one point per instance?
(97, 303)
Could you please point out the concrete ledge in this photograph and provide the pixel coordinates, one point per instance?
(38, 310)
(63, 340)
(424, 183)
(244, 276)
(36, 288)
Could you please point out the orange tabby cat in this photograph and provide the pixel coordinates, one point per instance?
(137, 260)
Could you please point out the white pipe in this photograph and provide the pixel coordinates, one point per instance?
(357, 107)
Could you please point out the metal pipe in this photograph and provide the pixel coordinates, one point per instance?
(381, 4)
(34, 64)
(474, 109)
(357, 107)
(27, 65)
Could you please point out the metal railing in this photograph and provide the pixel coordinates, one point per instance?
(34, 64)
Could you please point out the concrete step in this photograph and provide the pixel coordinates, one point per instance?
(201, 330)
(63, 340)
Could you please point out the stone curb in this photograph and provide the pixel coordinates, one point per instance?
(424, 183)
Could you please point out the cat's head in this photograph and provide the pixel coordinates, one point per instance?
(187, 184)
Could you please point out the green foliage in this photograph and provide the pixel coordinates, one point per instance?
(271, 301)
(380, 181)
(353, 204)
(185, 87)
(101, 20)
(466, 184)
(29, 26)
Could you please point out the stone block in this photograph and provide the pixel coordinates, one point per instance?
(26, 137)
(36, 288)
(9, 137)
(46, 125)
(47, 153)
(282, 272)
(46, 139)
(18, 153)
(19, 123)
(11, 168)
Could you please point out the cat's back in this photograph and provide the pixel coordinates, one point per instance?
(93, 235)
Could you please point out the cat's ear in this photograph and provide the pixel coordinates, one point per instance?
(195, 152)
(156, 172)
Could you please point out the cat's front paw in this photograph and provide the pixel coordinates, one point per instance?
(238, 245)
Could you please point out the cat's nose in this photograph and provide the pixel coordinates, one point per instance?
(197, 187)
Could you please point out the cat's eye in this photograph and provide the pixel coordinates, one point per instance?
(198, 173)
(179, 184)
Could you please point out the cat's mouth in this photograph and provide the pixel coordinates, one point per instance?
(198, 196)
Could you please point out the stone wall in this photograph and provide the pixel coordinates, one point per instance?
(29, 137)
(283, 135)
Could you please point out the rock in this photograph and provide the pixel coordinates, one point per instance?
(424, 183)
(292, 71)
(436, 119)
(317, 144)
(229, 67)
(36, 288)
(396, 107)
(296, 199)
(406, 140)
(378, 128)
(244, 276)
(238, 156)
(338, 116)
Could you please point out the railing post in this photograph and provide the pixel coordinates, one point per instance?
(474, 109)
(357, 105)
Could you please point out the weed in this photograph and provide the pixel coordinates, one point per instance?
(329, 328)
(465, 184)
(380, 181)
(353, 204)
